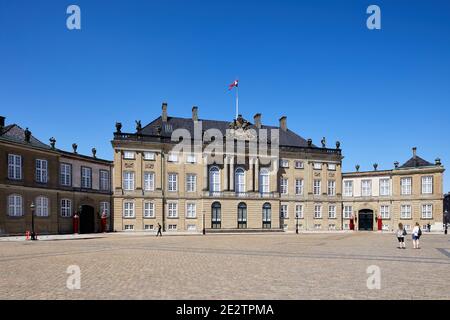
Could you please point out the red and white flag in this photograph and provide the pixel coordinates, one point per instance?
(234, 84)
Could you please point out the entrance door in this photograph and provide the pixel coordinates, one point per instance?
(267, 216)
(365, 220)
(87, 220)
(242, 216)
(216, 219)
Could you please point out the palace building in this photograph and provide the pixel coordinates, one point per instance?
(59, 184)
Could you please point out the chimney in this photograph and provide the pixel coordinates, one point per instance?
(2, 123)
(257, 120)
(283, 123)
(414, 152)
(27, 135)
(194, 113)
(164, 112)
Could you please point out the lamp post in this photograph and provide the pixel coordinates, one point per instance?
(33, 234)
(204, 229)
(296, 223)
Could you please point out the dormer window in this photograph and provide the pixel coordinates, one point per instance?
(284, 163)
(173, 157)
(168, 128)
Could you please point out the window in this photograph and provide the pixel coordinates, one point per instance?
(172, 227)
(41, 207)
(191, 182)
(104, 180)
(405, 186)
(284, 184)
(168, 128)
(427, 211)
(299, 211)
(15, 205)
(385, 187)
(299, 187)
(104, 208)
(299, 165)
(284, 211)
(284, 163)
(86, 178)
(317, 187)
(317, 226)
(14, 167)
(348, 210)
(384, 212)
(191, 227)
(405, 211)
(348, 188)
(41, 171)
(173, 157)
(264, 181)
(427, 185)
(214, 179)
(149, 181)
(317, 166)
(128, 227)
(331, 166)
(65, 174)
(128, 155)
(149, 156)
(173, 182)
(172, 209)
(239, 180)
(66, 208)
(317, 212)
(332, 212)
(149, 210)
(128, 180)
(332, 226)
(366, 188)
(128, 209)
(191, 158)
(148, 227)
(331, 188)
(267, 216)
(191, 210)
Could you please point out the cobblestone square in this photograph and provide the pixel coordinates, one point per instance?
(257, 266)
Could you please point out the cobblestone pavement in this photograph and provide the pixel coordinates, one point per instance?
(269, 266)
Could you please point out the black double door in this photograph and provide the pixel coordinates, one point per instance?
(365, 220)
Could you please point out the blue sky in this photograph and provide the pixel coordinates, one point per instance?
(379, 92)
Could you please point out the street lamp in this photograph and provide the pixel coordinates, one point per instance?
(296, 223)
(204, 230)
(33, 234)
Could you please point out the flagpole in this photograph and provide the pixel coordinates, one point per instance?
(237, 101)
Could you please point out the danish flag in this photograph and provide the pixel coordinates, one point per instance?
(234, 84)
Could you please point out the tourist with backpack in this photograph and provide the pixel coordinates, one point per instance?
(401, 233)
(416, 234)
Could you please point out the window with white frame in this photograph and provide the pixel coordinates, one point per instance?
(332, 211)
(348, 188)
(66, 208)
(191, 158)
(173, 157)
(15, 205)
(299, 165)
(149, 156)
(317, 166)
(299, 211)
(284, 211)
(41, 171)
(148, 227)
(104, 208)
(128, 227)
(332, 167)
(427, 185)
(239, 180)
(332, 226)
(104, 180)
(128, 209)
(14, 167)
(348, 210)
(284, 184)
(41, 206)
(385, 212)
(173, 182)
(405, 211)
(385, 187)
(86, 178)
(172, 210)
(191, 182)
(284, 163)
(264, 181)
(214, 179)
(317, 226)
(331, 187)
(317, 211)
(191, 210)
(317, 187)
(172, 227)
(129, 155)
(299, 187)
(128, 180)
(366, 188)
(191, 227)
(65, 174)
(149, 209)
(427, 211)
(405, 186)
(149, 181)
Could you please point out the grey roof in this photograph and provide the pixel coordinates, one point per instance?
(287, 138)
(416, 162)
(16, 134)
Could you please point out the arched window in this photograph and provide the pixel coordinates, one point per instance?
(264, 180)
(216, 215)
(239, 180)
(15, 205)
(242, 216)
(214, 179)
(41, 206)
(267, 216)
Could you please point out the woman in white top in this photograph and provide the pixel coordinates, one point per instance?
(416, 233)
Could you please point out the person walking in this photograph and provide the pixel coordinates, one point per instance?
(159, 230)
(416, 233)
(401, 233)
